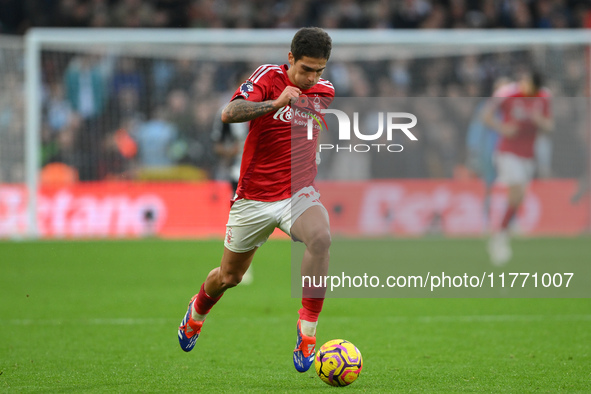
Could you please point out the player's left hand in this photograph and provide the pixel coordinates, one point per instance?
(508, 129)
(289, 93)
(537, 117)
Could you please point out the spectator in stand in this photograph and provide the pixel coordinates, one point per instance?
(62, 147)
(127, 93)
(180, 116)
(117, 156)
(86, 90)
(61, 129)
(12, 17)
(457, 14)
(184, 75)
(127, 76)
(73, 13)
(155, 139)
(17, 15)
(436, 19)
(59, 110)
(85, 86)
(133, 13)
(410, 13)
(172, 13)
(200, 151)
(193, 146)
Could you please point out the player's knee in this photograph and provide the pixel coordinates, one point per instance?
(516, 195)
(319, 243)
(230, 279)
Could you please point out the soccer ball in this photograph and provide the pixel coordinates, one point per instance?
(338, 362)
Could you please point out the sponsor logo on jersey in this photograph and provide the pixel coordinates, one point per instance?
(284, 114)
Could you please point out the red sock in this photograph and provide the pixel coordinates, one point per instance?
(204, 302)
(311, 308)
(509, 213)
(312, 301)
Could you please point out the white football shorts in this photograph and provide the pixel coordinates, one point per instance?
(513, 169)
(250, 222)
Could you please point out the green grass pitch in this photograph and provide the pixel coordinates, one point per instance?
(102, 316)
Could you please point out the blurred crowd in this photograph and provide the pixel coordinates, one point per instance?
(121, 117)
(18, 15)
(108, 116)
(113, 117)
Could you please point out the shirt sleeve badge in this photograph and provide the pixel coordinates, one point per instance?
(245, 88)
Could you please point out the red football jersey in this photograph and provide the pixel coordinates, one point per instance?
(518, 108)
(266, 169)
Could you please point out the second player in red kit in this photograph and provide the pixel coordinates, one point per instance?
(525, 113)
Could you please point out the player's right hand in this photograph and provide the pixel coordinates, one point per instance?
(289, 93)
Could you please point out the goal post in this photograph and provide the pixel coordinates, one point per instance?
(551, 50)
(33, 130)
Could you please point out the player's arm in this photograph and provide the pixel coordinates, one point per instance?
(545, 123)
(241, 110)
(544, 120)
(490, 119)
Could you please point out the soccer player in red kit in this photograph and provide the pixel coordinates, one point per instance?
(525, 112)
(270, 194)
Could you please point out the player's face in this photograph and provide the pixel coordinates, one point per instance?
(305, 72)
(527, 85)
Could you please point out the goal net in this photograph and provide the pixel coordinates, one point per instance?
(12, 132)
(132, 106)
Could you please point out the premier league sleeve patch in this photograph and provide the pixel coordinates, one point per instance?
(245, 88)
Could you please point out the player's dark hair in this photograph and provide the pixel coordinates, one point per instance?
(311, 42)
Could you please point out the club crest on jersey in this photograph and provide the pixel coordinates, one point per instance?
(316, 102)
(245, 88)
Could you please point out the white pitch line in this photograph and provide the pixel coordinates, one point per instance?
(480, 318)
(502, 318)
(389, 319)
(87, 322)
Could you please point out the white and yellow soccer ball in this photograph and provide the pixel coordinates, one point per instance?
(338, 362)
